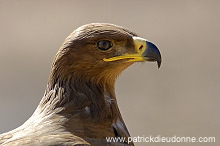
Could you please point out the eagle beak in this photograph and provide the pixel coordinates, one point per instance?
(152, 53)
(145, 51)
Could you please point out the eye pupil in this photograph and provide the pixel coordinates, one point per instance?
(104, 45)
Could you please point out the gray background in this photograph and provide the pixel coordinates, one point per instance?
(182, 98)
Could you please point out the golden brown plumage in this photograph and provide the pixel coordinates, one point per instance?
(79, 105)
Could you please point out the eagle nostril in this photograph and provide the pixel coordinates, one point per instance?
(140, 48)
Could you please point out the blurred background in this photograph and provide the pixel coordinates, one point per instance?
(182, 98)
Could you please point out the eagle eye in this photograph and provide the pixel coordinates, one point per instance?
(104, 45)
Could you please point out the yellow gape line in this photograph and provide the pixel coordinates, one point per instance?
(132, 57)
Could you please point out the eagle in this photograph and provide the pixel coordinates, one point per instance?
(79, 106)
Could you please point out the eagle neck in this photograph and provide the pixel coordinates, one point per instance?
(71, 93)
